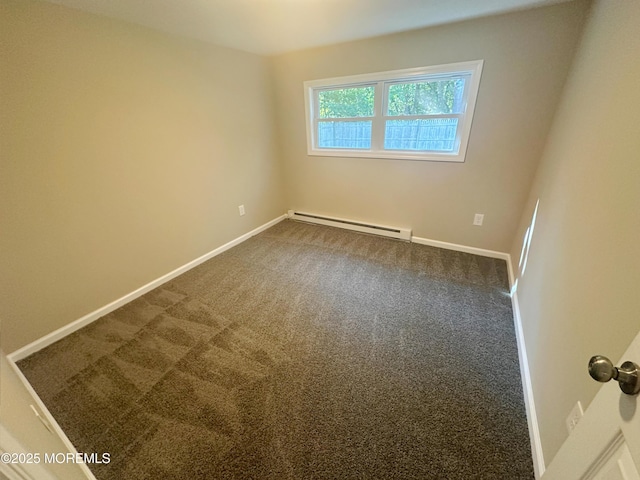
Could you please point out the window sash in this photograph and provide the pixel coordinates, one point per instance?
(379, 122)
(423, 117)
(379, 119)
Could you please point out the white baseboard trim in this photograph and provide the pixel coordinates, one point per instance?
(51, 424)
(527, 388)
(62, 332)
(461, 248)
(536, 446)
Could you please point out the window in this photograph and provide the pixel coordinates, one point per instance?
(417, 114)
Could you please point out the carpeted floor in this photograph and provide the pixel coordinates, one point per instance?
(306, 352)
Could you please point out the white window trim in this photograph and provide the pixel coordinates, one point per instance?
(473, 68)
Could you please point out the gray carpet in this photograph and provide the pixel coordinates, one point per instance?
(306, 352)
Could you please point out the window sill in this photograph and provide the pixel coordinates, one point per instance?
(427, 157)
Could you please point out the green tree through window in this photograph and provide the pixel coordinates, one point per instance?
(421, 113)
(426, 98)
(346, 102)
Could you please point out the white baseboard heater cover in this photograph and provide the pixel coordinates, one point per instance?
(393, 232)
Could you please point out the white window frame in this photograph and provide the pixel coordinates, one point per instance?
(382, 81)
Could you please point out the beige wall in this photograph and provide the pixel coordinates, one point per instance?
(579, 293)
(527, 56)
(124, 154)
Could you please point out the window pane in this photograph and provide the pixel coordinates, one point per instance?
(426, 98)
(346, 102)
(344, 135)
(436, 134)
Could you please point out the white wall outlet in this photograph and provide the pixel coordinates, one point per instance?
(574, 417)
(478, 219)
(241, 210)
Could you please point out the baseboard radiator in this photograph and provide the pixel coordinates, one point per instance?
(393, 232)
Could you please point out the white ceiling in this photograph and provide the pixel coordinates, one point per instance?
(277, 26)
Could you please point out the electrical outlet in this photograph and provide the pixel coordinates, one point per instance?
(574, 417)
(241, 210)
(478, 219)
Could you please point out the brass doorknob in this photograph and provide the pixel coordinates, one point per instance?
(602, 370)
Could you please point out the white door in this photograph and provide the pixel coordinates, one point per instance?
(605, 445)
